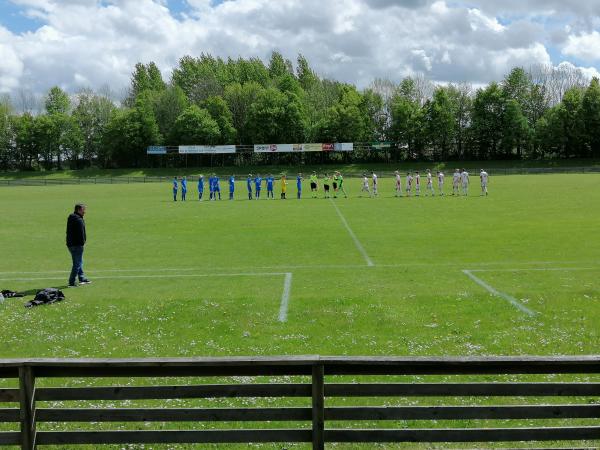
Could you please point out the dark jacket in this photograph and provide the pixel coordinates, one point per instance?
(75, 231)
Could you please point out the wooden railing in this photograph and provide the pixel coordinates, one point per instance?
(309, 421)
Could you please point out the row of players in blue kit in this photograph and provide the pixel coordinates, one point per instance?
(215, 187)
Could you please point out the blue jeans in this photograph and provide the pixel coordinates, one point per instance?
(77, 269)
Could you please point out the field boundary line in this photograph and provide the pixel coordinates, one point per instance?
(509, 298)
(285, 297)
(357, 243)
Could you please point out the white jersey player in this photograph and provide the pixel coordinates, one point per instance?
(398, 184)
(409, 184)
(365, 185)
(464, 178)
(440, 177)
(456, 182)
(429, 184)
(375, 193)
(417, 184)
(483, 175)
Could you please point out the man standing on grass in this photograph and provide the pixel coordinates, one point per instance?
(314, 184)
(200, 187)
(455, 182)
(375, 192)
(365, 185)
(341, 184)
(257, 185)
(440, 177)
(326, 183)
(76, 238)
(483, 175)
(175, 189)
(183, 189)
(398, 184)
(409, 183)
(217, 187)
(249, 186)
(417, 184)
(464, 176)
(299, 185)
(231, 186)
(270, 181)
(429, 184)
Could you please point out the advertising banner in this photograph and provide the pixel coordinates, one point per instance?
(311, 147)
(327, 147)
(156, 150)
(344, 147)
(205, 149)
(273, 148)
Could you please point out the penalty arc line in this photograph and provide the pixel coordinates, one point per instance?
(357, 243)
(513, 301)
(285, 297)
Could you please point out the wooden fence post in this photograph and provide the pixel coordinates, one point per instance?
(26, 400)
(318, 406)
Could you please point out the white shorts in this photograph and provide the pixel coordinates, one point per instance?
(484, 185)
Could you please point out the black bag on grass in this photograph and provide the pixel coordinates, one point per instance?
(46, 297)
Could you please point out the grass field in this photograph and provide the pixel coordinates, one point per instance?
(510, 274)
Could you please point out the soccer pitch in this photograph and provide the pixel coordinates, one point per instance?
(514, 273)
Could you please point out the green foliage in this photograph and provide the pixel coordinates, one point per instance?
(196, 126)
(251, 101)
(275, 117)
(57, 101)
(219, 111)
(590, 109)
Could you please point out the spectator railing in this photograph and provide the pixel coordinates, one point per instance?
(300, 377)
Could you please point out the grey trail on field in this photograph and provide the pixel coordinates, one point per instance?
(285, 297)
(359, 246)
(513, 301)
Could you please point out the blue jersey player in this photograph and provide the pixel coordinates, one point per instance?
(217, 186)
(183, 189)
(257, 185)
(270, 180)
(231, 186)
(299, 185)
(249, 185)
(200, 187)
(211, 187)
(175, 189)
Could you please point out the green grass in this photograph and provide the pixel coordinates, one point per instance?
(414, 301)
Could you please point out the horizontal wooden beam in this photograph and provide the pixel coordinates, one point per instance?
(9, 415)
(9, 395)
(461, 389)
(173, 415)
(172, 392)
(10, 438)
(463, 412)
(464, 435)
(172, 437)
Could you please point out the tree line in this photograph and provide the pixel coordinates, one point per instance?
(543, 112)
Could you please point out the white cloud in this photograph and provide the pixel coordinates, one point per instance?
(585, 46)
(88, 42)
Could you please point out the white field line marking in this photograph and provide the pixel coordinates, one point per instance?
(513, 301)
(546, 269)
(359, 246)
(285, 297)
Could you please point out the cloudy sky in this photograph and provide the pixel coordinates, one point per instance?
(89, 43)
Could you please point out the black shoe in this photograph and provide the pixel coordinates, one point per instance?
(86, 281)
(72, 285)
